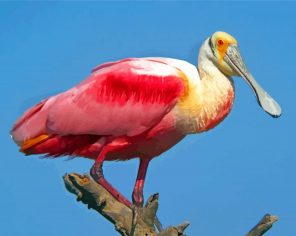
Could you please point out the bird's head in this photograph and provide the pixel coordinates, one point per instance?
(225, 54)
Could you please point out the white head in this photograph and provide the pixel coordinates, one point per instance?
(222, 50)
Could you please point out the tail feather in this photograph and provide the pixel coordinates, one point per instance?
(31, 135)
(73, 145)
(32, 142)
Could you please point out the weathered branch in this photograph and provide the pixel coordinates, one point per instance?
(263, 226)
(97, 198)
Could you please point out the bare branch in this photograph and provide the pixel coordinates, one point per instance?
(121, 216)
(263, 226)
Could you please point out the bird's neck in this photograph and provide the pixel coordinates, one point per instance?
(217, 91)
(210, 99)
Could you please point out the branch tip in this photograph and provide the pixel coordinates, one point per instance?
(181, 228)
(263, 225)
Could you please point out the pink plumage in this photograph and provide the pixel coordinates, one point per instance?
(118, 101)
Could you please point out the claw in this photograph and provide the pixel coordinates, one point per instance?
(96, 173)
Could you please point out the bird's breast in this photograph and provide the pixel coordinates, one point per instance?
(206, 106)
(213, 116)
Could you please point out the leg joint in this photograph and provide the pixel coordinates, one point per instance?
(97, 171)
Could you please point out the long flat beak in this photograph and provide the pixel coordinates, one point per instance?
(235, 61)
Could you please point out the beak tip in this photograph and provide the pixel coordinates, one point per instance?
(269, 105)
(276, 115)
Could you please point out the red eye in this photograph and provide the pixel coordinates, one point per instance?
(220, 42)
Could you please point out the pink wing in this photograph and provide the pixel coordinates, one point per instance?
(121, 98)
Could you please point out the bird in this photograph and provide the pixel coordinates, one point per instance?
(138, 108)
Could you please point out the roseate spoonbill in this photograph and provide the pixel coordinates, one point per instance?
(138, 108)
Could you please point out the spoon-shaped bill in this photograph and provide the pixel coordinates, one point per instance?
(268, 104)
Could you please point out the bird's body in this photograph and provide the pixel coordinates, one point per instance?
(116, 106)
(137, 108)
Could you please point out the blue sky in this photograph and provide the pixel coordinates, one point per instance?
(222, 181)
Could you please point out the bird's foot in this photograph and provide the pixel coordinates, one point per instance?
(96, 173)
(138, 198)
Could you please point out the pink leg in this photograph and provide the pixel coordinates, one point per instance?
(97, 173)
(138, 198)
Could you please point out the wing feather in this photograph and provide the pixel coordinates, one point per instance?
(119, 98)
(122, 98)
